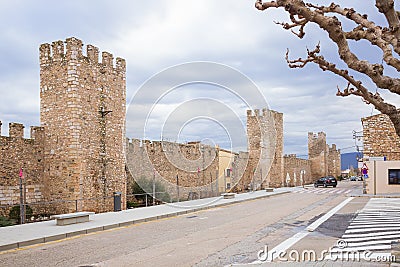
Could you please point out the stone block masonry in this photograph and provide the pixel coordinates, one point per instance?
(297, 170)
(264, 165)
(195, 164)
(16, 152)
(380, 138)
(325, 160)
(82, 109)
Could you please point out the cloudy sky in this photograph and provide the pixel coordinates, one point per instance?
(153, 36)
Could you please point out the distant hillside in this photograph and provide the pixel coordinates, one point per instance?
(349, 159)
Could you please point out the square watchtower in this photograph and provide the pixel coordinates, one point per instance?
(82, 108)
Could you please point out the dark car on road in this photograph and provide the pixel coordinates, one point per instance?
(326, 181)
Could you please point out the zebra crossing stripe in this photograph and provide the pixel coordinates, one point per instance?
(357, 257)
(370, 234)
(337, 191)
(355, 239)
(371, 222)
(374, 225)
(371, 229)
(381, 210)
(381, 214)
(377, 218)
(374, 228)
(323, 191)
(367, 243)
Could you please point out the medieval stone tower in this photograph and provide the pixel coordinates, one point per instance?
(265, 150)
(317, 154)
(325, 160)
(82, 109)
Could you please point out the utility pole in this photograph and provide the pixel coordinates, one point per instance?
(198, 179)
(216, 180)
(177, 185)
(154, 187)
(225, 174)
(203, 171)
(21, 197)
(103, 152)
(211, 185)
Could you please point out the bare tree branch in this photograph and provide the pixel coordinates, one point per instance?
(387, 39)
(386, 7)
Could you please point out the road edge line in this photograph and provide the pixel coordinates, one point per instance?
(286, 244)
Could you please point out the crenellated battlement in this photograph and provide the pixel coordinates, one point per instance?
(72, 50)
(260, 113)
(316, 136)
(16, 131)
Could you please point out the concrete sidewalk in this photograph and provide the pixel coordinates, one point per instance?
(18, 236)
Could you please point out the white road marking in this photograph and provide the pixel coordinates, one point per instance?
(318, 222)
(371, 234)
(285, 245)
(375, 227)
(319, 190)
(355, 239)
(371, 229)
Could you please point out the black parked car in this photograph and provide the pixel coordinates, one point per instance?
(326, 181)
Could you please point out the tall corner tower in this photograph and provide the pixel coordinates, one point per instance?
(317, 154)
(265, 147)
(82, 108)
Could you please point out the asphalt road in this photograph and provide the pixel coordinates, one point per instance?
(216, 237)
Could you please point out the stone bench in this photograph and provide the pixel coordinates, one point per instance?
(228, 195)
(269, 190)
(71, 218)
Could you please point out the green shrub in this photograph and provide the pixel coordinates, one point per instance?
(15, 215)
(145, 186)
(4, 221)
(131, 204)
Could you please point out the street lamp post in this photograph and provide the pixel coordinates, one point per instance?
(154, 188)
(22, 193)
(177, 186)
(202, 151)
(216, 180)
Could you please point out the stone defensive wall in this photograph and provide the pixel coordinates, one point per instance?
(192, 166)
(297, 170)
(17, 152)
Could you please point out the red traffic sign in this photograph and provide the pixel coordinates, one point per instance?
(364, 169)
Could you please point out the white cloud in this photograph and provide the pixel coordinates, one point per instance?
(152, 36)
